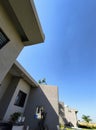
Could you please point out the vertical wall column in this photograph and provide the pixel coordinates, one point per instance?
(5, 100)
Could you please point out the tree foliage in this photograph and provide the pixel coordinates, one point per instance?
(86, 118)
(43, 81)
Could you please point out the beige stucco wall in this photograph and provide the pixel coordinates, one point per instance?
(23, 86)
(46, 96)
(51, 93)
(70, 115)
(10, 51)
(9, 88)
(5, 84)
(62, 119)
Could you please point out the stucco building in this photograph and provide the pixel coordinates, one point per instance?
(19, 92)
(19, 84)
(71, 115)
(19, 27)
(67, 115)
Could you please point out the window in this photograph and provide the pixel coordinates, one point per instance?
(20, 99)
(3, 39)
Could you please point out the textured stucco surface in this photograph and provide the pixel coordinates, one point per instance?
(46, 96)
(71, 115)
(11, 50)
(8, 91)
(23, 86)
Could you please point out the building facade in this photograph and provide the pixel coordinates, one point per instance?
(46, 96)
(71, 115)
(19, 92)
(19, 27)
(67, 115)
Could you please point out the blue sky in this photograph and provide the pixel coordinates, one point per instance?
(67, 58)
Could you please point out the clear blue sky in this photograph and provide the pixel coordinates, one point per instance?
(67, 58)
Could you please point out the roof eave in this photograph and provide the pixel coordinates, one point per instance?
(18, 71)
(25, 18)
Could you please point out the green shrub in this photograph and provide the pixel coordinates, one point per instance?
(14, 117)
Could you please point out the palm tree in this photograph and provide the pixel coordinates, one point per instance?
(86, 118)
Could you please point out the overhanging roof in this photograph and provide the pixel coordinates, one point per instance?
(24, 16)
(18, 71)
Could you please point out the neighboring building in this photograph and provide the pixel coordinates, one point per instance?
(62, 119)
(67, 116)
(71, 115)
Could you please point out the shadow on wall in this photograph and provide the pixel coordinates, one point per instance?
(38, 98)
(62, 114)
(8, 93)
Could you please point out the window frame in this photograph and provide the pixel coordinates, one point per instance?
(3, 39)
(20, 99)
